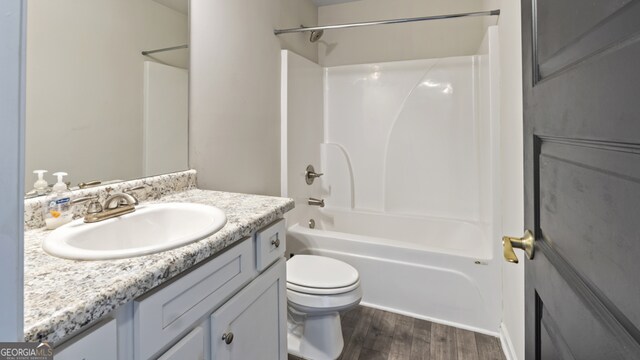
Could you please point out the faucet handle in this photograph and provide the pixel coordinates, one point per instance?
(136, 188)
(94, 205)
(130, 191)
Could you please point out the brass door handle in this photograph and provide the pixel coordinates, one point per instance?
(525, 243)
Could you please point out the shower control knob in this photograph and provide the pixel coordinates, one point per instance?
(227, 337)
(310, 174)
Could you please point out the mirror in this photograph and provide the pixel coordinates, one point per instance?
(96, 107)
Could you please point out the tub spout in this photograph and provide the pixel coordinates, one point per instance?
(316, 202)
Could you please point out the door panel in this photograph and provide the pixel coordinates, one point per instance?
(581, 87)
(549, 351)
(574, 319)
(585, 209)
(255, 319)
(562, 41)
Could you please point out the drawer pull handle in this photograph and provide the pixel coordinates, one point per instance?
(227, 337)
(275, 242)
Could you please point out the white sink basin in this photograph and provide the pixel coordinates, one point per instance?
(150, 229)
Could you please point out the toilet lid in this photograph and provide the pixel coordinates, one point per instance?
(320, 272)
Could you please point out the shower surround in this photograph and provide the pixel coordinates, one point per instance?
(409, 152)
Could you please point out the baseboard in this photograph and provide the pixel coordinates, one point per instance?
(507, 345)
(439, 321)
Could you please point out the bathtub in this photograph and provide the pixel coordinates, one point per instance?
(435, 269)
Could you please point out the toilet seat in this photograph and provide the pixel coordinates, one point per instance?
(322, 291)
(320, 275)
(320, 304)
(319, 282)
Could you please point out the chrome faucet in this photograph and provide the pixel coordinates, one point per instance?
(316, 202)
(115, 205)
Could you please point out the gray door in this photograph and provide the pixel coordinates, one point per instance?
(581, 69)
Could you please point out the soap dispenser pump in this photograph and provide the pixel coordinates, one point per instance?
(58, 210)
(60, 186)
(41, 186)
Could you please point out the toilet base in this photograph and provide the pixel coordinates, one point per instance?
(314, 337)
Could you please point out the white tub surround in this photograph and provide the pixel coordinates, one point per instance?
(301, 126)
(405, 135)
(410, 154)
(63, 297)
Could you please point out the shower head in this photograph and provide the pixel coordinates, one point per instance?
(316, 35)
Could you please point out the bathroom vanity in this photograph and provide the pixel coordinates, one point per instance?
(229, 305)
(206, 300)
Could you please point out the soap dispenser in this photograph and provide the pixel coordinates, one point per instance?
(58, 209)
(40, 186)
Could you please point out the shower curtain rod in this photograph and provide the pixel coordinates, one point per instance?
(149, 52)
(384, 22)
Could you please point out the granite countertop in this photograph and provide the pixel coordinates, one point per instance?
(63, 296)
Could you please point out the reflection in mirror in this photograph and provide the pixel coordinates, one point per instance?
(96, 107)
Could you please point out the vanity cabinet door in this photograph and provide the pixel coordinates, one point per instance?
(253, 324)
(97, 343)
(163, 314)
(190, 347)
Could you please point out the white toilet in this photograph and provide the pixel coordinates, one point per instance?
(318, 289)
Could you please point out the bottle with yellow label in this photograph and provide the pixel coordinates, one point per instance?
(58, 208)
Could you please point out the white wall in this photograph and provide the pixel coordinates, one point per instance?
(85, 84)
(302, 130)
(512, 171)
(12, 164)
(234, 122)
(422, 40)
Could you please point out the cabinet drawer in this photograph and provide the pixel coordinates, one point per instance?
(270, 244)
(98, 343)
(159, 317)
